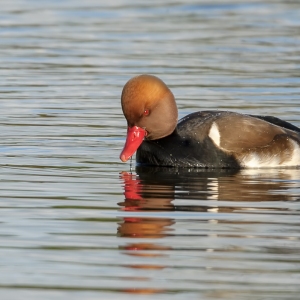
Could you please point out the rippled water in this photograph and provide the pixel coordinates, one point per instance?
(75, 222)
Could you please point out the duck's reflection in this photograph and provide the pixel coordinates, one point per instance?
(198, 190)
(145, 228)
(157, 188)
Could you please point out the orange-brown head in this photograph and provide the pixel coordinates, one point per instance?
(150, 110)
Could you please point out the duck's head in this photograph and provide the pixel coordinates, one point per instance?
(150, 110)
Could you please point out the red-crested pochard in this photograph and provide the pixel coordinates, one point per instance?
(208, 139)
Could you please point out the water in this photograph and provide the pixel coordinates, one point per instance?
(75, 221)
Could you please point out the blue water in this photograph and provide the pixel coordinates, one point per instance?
(75, 221)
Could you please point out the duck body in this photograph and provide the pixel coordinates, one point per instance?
(197, 142)
(205, 139)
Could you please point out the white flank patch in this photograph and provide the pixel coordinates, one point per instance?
(254, 160)
(251, 161)
(295, 159)
(214, 134)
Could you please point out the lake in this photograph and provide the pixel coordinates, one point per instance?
(78, 223)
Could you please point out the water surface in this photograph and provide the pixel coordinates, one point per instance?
(75, 221)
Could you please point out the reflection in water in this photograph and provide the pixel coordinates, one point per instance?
(222, 243)
(157, 188)
(148, 227)
(142, 228)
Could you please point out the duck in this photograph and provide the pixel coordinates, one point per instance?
(203, 139)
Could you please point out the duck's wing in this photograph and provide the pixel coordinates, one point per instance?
(255, 142)
(278, 122)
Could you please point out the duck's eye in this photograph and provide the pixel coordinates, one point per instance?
(146, 112)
